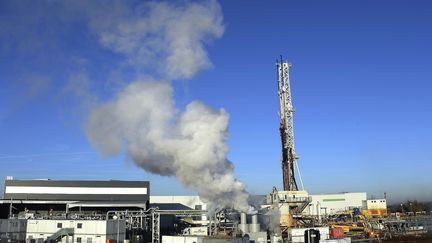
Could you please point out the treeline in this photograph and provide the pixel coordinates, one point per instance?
(411, 206)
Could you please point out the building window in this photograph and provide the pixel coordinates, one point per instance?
(89, 240)
(79, 225)
(78, 239)
(59, 225)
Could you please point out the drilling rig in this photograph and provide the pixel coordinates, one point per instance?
(291, 202)
(286, 112)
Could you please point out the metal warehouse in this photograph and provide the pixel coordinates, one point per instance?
(56, 197)
(78, 211)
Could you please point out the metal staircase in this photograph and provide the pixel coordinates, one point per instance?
(304, 203)
(60, 233)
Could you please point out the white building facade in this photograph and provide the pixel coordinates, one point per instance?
(79, 231)
(335, 203)
(375, 204)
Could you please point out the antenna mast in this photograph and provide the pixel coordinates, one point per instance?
(286, 113)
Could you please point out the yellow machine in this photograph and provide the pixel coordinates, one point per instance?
(369, 213)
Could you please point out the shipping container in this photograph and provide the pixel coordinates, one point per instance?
(336, 233)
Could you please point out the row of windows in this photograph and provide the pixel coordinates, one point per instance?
(41, 235)
(89, 239)
(15, 224)
(374, 201)
(60, 225)
(78, 239)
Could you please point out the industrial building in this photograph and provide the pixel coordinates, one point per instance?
(328, 203)
(13, 229)
(375, 204)
(79, 211)
(335, 203)
(37, 198)
(375, 208)
(80, 231)
(189, 202)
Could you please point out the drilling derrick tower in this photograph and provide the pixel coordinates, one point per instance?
(286, 112)
(291, 202)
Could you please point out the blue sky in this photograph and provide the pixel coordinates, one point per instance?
(360, 79)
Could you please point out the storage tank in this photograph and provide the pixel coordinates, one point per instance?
(243, 224)
(254, 226)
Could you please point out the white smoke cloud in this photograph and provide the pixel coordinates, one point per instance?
(190, 145)
(271, 220)
(169, 37)
(143, 121)
(163, 40)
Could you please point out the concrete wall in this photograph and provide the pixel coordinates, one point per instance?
(336, 203)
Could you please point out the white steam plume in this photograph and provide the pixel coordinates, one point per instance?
(167, 37)
(191, 146)
(143, 121)
(271, 221)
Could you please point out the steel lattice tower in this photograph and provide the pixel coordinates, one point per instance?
(286, 113)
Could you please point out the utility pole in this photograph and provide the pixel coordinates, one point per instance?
(286, 113)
